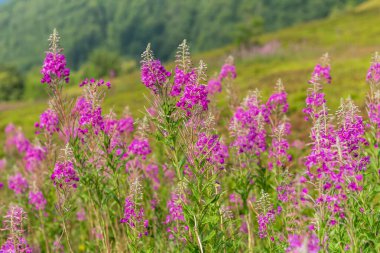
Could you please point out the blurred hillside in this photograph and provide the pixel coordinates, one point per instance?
(350, 37)
(125, 27)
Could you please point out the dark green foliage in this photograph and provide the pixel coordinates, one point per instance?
(127, 26)
(248, 31)
(103, 63)
(11, 84)
(33, 87)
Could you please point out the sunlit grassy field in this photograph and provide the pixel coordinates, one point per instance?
(349, 38)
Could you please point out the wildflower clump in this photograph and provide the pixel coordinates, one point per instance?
(194, 174)
(54, 67)
(64, 175)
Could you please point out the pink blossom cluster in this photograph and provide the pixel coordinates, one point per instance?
(175, 218)
(322, 72)
(373, 73)
(13, 223)
(37, 200)
(248, 126)
(181, 80)
(117, 129)
(64, 175)
(89, 116)
(94, 82)
(215, 84)
(212, 149)
(48, 121)
(154, 75)
(18, 183)
(16, 139)
(19, 245)
(134, 217)
(228, 70)
(303, 243)
(54, 67)
(33, 157)
(315, 102)
(265, 219)
(278, 151)
(192, 96)
(278, 100)
(139, 147)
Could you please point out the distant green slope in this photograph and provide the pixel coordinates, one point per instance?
(127, 26)
(350, 39)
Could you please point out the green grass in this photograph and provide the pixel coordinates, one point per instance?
(350, 39)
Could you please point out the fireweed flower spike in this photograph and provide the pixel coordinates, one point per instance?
(274, 111)
(300, 243)
(228, 70)
(153, 74)
(139, 147)
(13, 223)
(49, 122)
(215, 152)
(64, 175)
(227, 76)
(18, 183)
(278, 101)
(214, 86)
(134, 215)
(189, 83)
(16, 140)
(194, 98)
(278, 152)
(266, 214)
(315, 101)
(54, 69)
(373, 97)
(88, 107)
(37, 200)
(175, 219)
(34, 156)
(247, 126)
(322, 70)
(184, 74)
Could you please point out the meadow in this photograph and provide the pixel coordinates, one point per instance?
(349, 38)
(271, 148)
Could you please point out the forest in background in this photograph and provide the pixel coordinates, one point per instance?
(125, 27)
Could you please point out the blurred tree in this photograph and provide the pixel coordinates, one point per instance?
(247, 33)
(103, 63)
(33, 88)
(11, 84)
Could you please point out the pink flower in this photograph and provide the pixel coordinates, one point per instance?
(49, 122)
(214, 86)
(139, 147)
(227, 70)
(64, 174)
(18, 183)
(37, 199)
(154, 75)
(54, 67)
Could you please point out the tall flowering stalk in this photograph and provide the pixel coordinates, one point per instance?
(181, 110)
(236, 193)
(134, 213)
(13, 223)
(373, 97)
(277, 106)
(55, 75)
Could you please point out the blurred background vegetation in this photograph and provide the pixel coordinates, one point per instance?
(269, 39)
